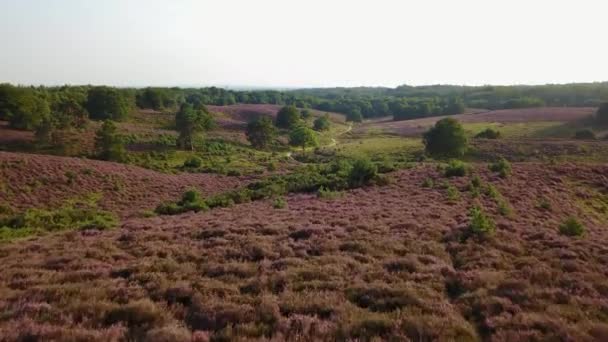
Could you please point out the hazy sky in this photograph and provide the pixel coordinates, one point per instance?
(302, 42)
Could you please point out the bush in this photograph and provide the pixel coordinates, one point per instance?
(602, 114)
(362, 173)
(488, 133)
(572, 227)
(502, 166)
(481, 224)
(191, 201)
(453, 193)
(428, 183)
(456, 168)
(585, 134)
(261, 132)
(446, 139)
(279, 203)
(322, 123)
(193, 162)
(288, 117)
(74, 214)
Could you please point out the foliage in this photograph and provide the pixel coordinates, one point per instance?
(191, 201)
(288, 117)
(456, 168)
(584, 134)
(480, 224)
(74, 214)
(354, 116)
(362, 173)
(502, 166)
(108, 103)
(305, 114)
(446, 139)
(23, 108)
(261, 132)
(602, 114)
(428, 183)
(572, 227)
(303, 136)
(322, 123)
(453, 193)
(279, 203)
(108, 143)
(488, 133)
(193, 162)
(191, 120)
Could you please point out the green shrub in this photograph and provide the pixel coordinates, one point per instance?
(476, 181)
(502, 166)
(456, 168)
(193, 162)
(279, 203)
(504, 208)
(492, 192)
(585, 134)
(428, 183)
(481, 224)
(572, 227)
(73, 215)
(327, 193)
(453, 193)
(488, 133)
(446, 139)
(362, 173)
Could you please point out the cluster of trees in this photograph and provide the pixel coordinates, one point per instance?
(261, 132)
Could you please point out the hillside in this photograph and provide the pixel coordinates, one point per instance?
(388, 261)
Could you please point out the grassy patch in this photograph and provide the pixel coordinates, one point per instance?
(73, 215)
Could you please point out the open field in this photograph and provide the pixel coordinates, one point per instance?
(29, 181)
(390, 261)
(507, 117)
(281, 255)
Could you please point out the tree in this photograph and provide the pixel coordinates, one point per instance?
(354, 115)
(455, 106)
(24, 108)
(446, 139)
(191, 120)
(322, 123)
(108, 143)
(602, 114)
(303, 136)
(108, 103)
(261, 132)
(305, 114)
(288, 117)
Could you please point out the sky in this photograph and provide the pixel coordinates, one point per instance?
(302, 43)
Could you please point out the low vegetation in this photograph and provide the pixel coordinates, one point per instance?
(75, 214)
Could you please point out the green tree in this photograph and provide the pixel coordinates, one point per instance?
(191, 120)
(24, 108)
(602, 114)
(288, 117)
(108, 103)
(446, 139)
(455, 105)
(303, 136)
(322, 123)
(305, 114)
(354, 115)
(108, 144)
(261, 132)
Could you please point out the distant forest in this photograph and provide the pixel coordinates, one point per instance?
(33, 107)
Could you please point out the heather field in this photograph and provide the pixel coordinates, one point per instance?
(277, 223)
(383, 262)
